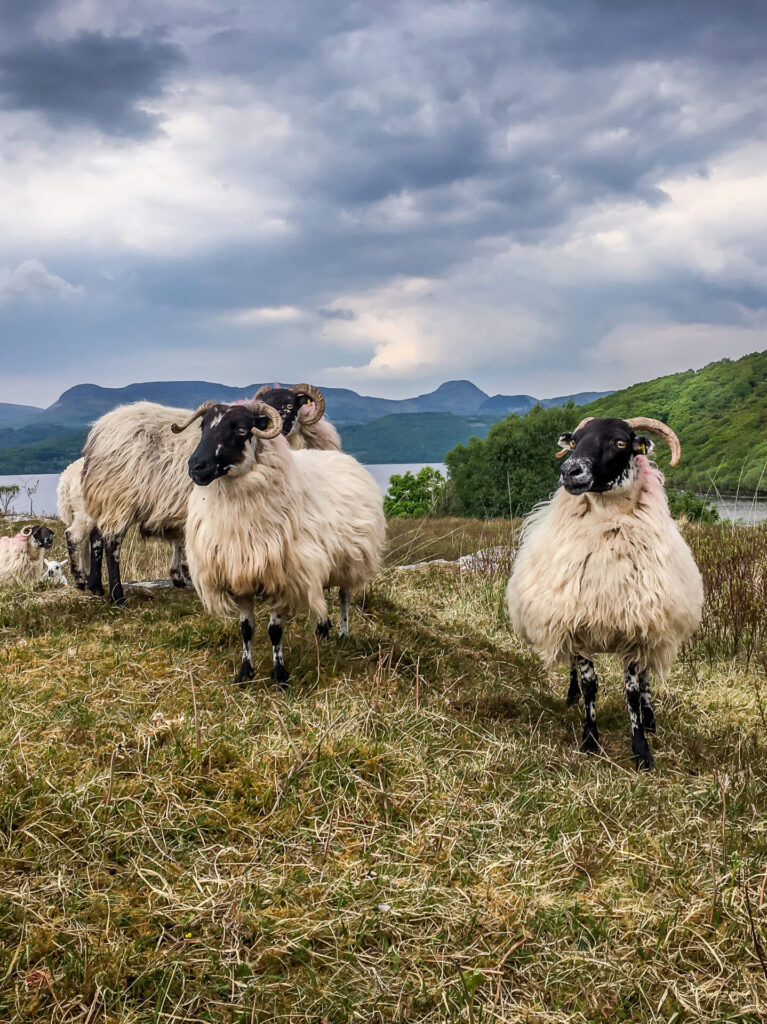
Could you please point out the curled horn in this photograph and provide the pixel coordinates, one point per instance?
(261, 392)
(662, 430)
(580, 425)
(316, 396)
(199, 411)
(262, 409)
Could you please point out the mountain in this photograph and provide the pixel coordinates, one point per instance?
(14, 412)
(45, 440)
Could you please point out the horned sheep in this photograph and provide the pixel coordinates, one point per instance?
(264, 520)
(135, 472)
(602, 567)
(22, 557)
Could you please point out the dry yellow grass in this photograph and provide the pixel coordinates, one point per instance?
(408, 834)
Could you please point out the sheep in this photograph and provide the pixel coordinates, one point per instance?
(71, 507)
(21, 557)
(265, 520)
(602, 567)
(135, 472)
(54, 573)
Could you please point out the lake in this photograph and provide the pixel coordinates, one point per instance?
(43, 500)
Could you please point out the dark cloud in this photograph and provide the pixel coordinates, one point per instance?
(89, 79)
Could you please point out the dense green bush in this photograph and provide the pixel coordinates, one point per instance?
(414, 494)
(691, 506)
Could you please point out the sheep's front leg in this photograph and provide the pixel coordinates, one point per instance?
(74, 551)
(96, 542)
(344, 600)
(589, 683)
(639, 744)
(176, 573)
(574, 693)
(247, 626)
(112, 547)
(279, 673)
(648, 715)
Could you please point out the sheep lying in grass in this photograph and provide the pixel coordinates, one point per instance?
(602, 567)
(22, 558)
(267, 521)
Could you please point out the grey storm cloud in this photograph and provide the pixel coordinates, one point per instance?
(89, 79)
(413, 138)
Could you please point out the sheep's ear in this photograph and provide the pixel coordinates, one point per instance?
(642, 445)
(566, 441)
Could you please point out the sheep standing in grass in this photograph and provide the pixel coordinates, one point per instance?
(135, 472)
(267, 521)
(602, 567)
(22, 558)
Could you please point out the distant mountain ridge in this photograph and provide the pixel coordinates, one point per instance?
(84, 403)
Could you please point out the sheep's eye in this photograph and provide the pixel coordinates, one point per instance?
(572, 444)
(243, 431)
(620, 444)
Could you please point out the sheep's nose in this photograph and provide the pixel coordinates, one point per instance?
(576, 474)
(202, 471)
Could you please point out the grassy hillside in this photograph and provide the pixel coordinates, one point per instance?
(408, 834)
(49, 455)
(720, 415)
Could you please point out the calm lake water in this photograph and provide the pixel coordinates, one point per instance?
(43, 500)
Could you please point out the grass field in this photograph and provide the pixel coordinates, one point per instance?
(408, 834)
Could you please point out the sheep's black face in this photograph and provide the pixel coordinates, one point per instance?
(226, 431)
(287, 403)
(42, 537)
(601, 456)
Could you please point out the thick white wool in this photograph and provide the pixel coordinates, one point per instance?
(287, 524)
(606, 573)
(71, 506)
(321, 435)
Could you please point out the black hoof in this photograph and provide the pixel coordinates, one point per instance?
(81, 586)
(590, 744)
(323, 629)
(245, 674)
(280, 675)
(642, 756)
(96, 591)
(178, 581)
(118, 600)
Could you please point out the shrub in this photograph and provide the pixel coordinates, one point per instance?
(692, 507)
(414, 494)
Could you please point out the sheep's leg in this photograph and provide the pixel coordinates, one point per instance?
(574, 693)
(112, 547)
(279, 673)
(74, 551)
(323, 628)
(639, 745)
(97, 553)
(648, 715)
(247, 627)
(176, 572)
(590, 684)
(344, 599)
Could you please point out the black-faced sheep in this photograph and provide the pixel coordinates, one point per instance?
(22, 558)
(267, 521)
(602, 567)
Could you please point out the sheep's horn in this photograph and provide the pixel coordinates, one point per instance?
(260, 393)
(583, 423)
(262, 409)
(662, 430)
(316, 396)
(199, 411)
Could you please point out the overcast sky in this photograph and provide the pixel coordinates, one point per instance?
(541, 197)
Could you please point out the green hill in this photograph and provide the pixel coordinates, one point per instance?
(412, 437)
(720, 415)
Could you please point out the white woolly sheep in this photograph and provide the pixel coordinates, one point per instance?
(602, 567)
(69, 497)
(135, 471)
(22, 558)
(54, 573)
(264, 520)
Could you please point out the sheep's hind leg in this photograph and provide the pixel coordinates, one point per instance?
(176, 572)
(75, 561)
(590, 684)
(112, 551)
(324, 627)
(648, 715)
(344, 600)
(574, 693)
(247, 626)
(279, 673)
(639, 744)
(97, 554)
